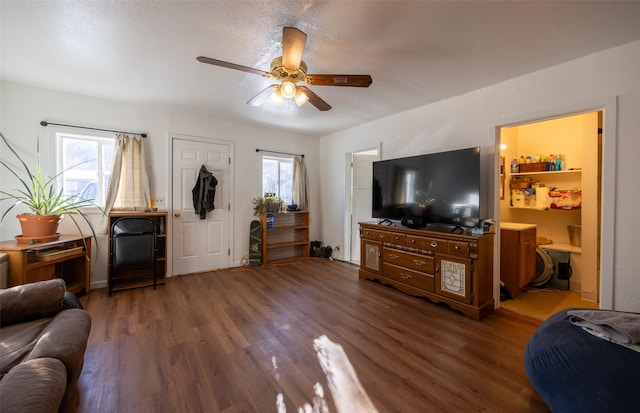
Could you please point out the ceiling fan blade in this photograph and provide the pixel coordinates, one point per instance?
(263, 96)
(234, 66)
(293, 41)
(339, 80)
(314, 99)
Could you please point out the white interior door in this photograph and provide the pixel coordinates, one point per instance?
(199, 244)
(361, 193)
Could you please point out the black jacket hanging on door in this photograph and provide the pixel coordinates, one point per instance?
(204, 192)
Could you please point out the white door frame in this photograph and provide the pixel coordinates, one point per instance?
(609, 108)
(347, 237)
(172, 137)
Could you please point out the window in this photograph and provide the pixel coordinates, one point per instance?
(85, 162)
(277, 176)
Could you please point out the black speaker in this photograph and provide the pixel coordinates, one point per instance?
(413, 222)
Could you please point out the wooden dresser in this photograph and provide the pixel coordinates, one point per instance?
(443, 267)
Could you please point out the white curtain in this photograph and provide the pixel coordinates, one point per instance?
(129, 184)
(299, 193)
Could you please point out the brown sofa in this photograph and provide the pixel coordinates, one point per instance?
(42, 343)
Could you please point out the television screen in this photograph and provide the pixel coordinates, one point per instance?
(441, 188)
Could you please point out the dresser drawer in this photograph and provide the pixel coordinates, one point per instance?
(393, 256)
(435, 245)
(419, 262)
(459, 248)
(371, 234)
(383, 236)
(409, 277)
(413, 241)
(395, 238)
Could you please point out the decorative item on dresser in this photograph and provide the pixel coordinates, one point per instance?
(450, 268)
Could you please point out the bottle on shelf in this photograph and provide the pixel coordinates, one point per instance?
(551, 166)
(515, 166)
(558, 162)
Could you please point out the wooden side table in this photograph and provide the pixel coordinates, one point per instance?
(68, 258)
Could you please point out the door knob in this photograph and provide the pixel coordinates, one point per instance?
(176, 214)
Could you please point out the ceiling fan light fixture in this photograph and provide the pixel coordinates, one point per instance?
(288, 89)
(288, 71)
(276, 97)
(301, 97)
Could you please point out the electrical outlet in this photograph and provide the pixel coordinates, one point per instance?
(159, 200)
(337, 248)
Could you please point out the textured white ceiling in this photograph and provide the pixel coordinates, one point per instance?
(417, 52)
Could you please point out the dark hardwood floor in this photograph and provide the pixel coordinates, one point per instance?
(232, 340)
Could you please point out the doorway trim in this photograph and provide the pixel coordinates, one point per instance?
(609, 108)
(347, 237)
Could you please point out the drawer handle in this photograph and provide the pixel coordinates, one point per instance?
(457, 247)
(413, 241)
(405, 276)
(434, 244)
(381, 235)
(419, 262)
(393, 256)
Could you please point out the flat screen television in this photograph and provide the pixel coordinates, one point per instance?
(436, 188)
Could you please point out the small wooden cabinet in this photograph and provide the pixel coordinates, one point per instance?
(68, 258)
(443, 267)
(285, 236)
(517, 256)
(124, 279)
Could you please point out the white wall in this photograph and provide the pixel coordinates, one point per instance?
(470, 120)
(23, 107)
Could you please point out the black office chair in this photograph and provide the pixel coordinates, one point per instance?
(133, 245)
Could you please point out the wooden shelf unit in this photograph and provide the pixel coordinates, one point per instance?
(560, 179)
(285, 236)
(445, 268)
(68, 258)
(119, 279)
(557, 173)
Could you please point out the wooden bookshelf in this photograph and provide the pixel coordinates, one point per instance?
(285, 236)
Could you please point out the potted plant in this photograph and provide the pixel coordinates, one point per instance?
(425, 198)
(46, 203)
(268, 203)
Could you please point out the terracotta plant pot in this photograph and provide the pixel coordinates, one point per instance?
(38, 226)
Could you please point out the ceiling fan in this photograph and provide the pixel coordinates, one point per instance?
(289, 69)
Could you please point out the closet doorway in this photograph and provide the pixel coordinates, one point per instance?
(528, 195)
